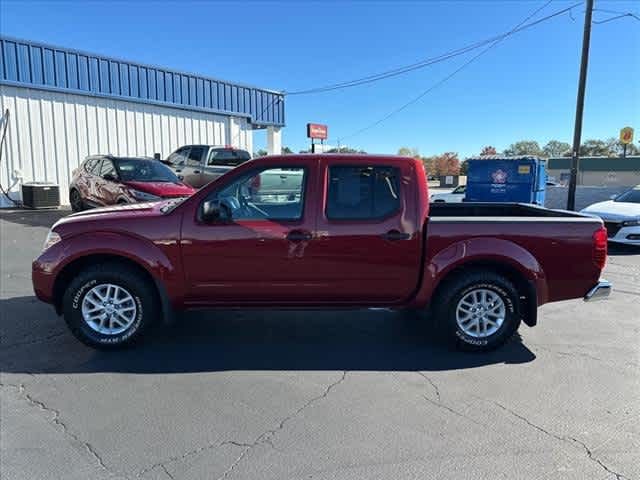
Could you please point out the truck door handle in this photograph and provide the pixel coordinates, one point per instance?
(299, 236)
(393, 235)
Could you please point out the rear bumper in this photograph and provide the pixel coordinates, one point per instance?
(599, 291)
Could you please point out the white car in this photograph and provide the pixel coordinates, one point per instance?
(621, 216)
(456, 196)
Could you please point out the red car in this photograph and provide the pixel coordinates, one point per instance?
(350, 231)
(108, 180)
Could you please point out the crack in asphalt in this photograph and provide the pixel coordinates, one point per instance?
(565, 439)
(266, 436)
(432, 383)
(263, 438)
(452, 410)
(440, 404)
(55, 419)
(578, 354)
(164, 469)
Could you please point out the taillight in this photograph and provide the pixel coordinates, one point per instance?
(600, 247)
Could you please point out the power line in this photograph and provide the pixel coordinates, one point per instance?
(425, 62)
(462, 67)
(632, 15)
(614, 12)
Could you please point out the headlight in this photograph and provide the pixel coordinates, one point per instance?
(144, 196)
(51, 240)
(631, 223)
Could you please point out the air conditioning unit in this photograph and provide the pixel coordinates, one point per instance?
(40, 195)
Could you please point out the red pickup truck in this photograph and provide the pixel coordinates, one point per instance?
(341, 231)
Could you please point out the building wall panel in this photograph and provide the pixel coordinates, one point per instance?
(40, 66)
(49, 133)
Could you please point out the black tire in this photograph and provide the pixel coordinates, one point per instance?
(122, 201)
(457, 288)
(140, 289)
(75, 199)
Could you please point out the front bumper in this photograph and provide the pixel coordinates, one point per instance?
(600, 291)
(629, 235)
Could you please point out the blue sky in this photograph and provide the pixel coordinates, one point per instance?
(524, 88)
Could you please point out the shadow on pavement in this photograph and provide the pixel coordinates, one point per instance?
(211, 341)
(34, 218)
(620, 249)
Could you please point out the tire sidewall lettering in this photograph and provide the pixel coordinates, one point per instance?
(79, 295)
(481, 342)
(98, 337)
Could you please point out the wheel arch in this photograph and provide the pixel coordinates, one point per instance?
(528, 305)
(74, 267)
(499, 255)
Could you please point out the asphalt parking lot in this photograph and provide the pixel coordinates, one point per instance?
(330, 395)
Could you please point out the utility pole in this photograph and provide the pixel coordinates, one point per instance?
(577, 132)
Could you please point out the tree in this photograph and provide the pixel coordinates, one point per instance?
(409, 152)
(286, 151)
(345, 150)
(464, 168)
(616, 147)
(488, 150)
(429, 165)
(594, 148)
(524, 147)
(447, 164)
(261, 153)
(555, 148)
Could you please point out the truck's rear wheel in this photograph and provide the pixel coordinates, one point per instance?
(479, 311)
(108, 306)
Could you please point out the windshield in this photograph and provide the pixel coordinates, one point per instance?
(139, 170)
(632, 196)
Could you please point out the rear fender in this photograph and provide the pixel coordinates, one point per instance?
(485, 252)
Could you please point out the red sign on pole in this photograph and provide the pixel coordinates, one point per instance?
(316, 130)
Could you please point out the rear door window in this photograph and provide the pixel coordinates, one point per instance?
(362, 192)
(195, 156)
(179, 157)
(227, 156)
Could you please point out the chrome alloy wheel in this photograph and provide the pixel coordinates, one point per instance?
(109, 309)
(480, 313)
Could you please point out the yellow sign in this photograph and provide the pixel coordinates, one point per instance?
(524, 169)
(626, 135)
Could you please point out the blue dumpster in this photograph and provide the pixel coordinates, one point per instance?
(506, 179)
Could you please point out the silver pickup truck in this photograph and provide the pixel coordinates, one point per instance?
(197, 165)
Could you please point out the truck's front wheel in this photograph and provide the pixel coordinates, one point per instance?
(108, 306)
(479, 311)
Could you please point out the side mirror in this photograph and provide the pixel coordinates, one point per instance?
(214, 211)
(613, 197)
(110, 178)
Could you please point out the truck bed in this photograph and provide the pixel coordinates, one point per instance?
(557, 243)
(497, 210)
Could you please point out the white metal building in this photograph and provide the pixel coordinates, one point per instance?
(64, 105)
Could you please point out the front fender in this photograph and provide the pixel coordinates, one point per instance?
(482, 250)
(160, 261)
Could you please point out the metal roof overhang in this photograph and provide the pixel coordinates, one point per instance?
(36, 65)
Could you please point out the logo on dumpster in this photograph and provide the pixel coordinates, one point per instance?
(499, 176)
